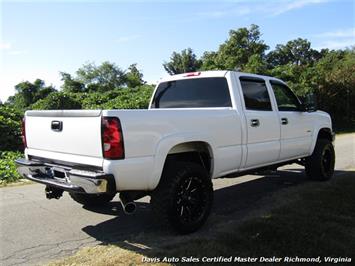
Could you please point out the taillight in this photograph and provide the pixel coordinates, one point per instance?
(112, 138)
(23, 129)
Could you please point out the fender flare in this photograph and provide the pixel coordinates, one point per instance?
(316, 133)
(166, 144)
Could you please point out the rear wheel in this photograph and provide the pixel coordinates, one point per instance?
(91, 199)
(184, 197)
(320, 165)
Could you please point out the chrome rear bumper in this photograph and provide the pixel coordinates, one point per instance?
(66, 178)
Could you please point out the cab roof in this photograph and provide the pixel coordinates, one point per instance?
(213, 73)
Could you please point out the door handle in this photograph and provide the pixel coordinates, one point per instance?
(255, 122)
(57, 126)
(284, 121)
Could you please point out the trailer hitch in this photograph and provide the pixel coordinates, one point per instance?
(53, 193)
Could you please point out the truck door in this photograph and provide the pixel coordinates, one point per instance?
(296, 126)
(263, 126)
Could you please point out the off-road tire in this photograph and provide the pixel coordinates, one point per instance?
(91, 199)
(183, 198)
(320, 165)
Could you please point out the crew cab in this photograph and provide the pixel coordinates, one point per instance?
(198, 126)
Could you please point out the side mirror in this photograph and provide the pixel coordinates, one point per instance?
(309, 103)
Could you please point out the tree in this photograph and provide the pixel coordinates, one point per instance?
(134, 77)
(70, 84)
(104, 77)
(293, 62)
(297, 52)
(256, 64)
(334, 84)
(209, 61)
(240, 47)
(28, 93)
(183, 62)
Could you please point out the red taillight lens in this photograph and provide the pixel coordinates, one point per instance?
(112, 139)
(23, 129)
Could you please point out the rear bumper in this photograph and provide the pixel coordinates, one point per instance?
(69, 179)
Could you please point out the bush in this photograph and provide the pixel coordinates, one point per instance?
(137, 98)
(119, 98)
(8, 172)
(10, 128)
(57, 101)
(95, 100)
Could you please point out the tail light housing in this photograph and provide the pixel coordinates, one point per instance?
(112, 138)
(23, 130)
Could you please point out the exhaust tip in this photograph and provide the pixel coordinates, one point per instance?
(129, 208)
(128, 204)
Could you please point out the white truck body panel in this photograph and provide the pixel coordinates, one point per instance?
(150, 135)
(81, 133)
(159, 130)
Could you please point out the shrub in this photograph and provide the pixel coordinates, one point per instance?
(57, 101)
(8, 172)
(10, 128)
(119, 98)
(136, 98)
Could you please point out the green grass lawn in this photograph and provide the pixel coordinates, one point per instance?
(313, 219)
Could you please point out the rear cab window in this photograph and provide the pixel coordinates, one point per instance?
(193, 93)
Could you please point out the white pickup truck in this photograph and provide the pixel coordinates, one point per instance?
(199, 126)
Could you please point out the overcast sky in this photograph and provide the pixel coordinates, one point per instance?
(40, 38)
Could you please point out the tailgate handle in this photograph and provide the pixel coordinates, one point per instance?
(57, 125)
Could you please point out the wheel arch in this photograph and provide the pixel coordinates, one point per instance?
(199, 152)
(324, 132)
(195, 149)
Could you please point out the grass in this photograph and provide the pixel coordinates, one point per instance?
(314, 219)
(103, 256)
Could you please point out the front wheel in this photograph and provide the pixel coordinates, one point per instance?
(184, 197)
(320, 165)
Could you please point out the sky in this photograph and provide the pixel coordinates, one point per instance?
(38, 39)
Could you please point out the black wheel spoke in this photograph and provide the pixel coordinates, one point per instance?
(188, 184)
(191, 200)
(182, 210)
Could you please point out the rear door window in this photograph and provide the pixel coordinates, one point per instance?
(192, 93)
(256, 96)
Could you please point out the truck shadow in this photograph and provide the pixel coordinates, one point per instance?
(234, 203)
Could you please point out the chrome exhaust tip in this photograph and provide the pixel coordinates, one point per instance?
(128, 205)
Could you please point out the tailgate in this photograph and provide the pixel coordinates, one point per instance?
(76, 132)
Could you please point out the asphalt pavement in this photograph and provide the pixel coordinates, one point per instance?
(35, 230)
